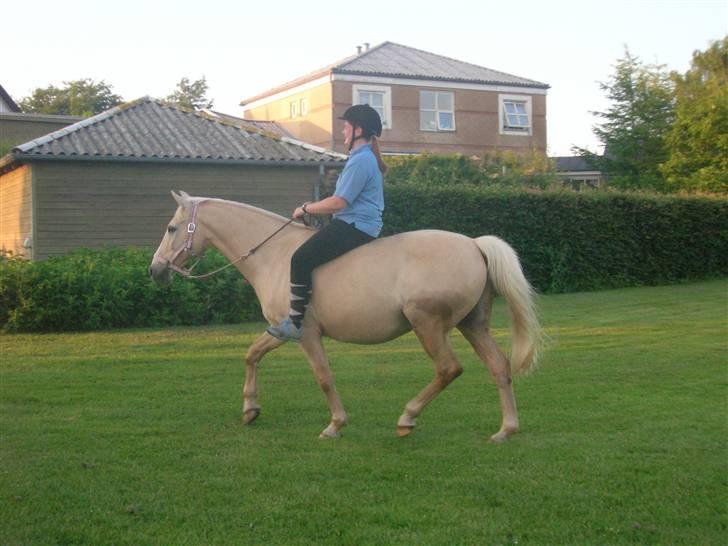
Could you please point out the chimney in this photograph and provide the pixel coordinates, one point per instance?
(366, 46)
(358, 50)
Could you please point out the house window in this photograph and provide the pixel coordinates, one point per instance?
(304, 107)
(514, 114)
(294, 109)
(378, 97)
(437, 111)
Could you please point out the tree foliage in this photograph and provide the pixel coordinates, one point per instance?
(698, 142)
(83, 97)
(496, 168)
(190, 95)
(635, 127)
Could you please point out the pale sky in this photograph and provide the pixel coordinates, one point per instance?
(242, 48)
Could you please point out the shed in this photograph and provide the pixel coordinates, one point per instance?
(106, 180)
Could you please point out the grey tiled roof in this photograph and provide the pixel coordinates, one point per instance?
(265, 126)
(392, 60)
(571, 163)
(149, 130)
(395, 60)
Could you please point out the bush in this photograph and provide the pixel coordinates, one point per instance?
(503, 169)
(94, 289)
(567, 241)
(571, 241)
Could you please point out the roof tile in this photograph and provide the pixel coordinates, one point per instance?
(150, 129)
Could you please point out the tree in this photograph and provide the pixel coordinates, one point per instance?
(698, 141)
(83, 97)
(190, 95)
(496, 168)
(635, 127)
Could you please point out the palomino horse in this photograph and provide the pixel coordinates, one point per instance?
(427, 281)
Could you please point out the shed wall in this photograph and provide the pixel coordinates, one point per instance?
(85, 204)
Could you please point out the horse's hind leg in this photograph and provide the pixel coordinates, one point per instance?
(263, 345)
(432, 333)
(476, 329)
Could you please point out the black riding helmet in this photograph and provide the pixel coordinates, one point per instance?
(366, 117)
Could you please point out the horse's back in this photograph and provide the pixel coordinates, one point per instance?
(364, 296)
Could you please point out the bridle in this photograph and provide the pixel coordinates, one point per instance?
(187, 247)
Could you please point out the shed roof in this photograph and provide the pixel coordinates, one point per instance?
(393, 60)
(148, 130)
(573, 163)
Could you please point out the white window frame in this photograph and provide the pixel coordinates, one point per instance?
(438, 111)
(293, 109)
(503, 129)
(303, 109)
(387, 92)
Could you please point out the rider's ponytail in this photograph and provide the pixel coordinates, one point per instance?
(378, 154)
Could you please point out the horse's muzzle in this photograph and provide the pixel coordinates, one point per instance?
(160, 273)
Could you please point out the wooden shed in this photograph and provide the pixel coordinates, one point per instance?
(106, 180)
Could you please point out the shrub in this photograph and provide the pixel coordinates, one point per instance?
(572, 241)
(504, 169)
(94, 289)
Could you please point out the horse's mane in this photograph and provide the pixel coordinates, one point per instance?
(250, 208)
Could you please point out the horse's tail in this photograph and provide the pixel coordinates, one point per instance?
(504, 271)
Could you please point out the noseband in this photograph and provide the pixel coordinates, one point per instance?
(187, 247)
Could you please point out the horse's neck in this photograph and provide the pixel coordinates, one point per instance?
(236, 229)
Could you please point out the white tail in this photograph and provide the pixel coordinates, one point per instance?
(504, 271)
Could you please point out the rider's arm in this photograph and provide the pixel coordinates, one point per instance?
(325, 206)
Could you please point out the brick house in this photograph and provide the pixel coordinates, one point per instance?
(428, 103)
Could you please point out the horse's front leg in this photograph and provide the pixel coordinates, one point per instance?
(263, 345)
(314, 349)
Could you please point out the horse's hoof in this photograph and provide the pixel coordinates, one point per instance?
(501, 436)
(329, 435)
(404, 431)
(250, 415)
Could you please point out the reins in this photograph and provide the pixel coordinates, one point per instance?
(242, 258)
(191, 228)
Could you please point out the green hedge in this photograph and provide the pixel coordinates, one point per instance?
(572, 241)
(88, 290)
(567, 241)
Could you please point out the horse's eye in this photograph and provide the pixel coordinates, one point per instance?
(171, 229)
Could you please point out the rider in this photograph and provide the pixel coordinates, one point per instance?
(357, 206)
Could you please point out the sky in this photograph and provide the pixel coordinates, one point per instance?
(144, 48)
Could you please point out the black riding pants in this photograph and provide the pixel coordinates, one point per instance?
(330, 242)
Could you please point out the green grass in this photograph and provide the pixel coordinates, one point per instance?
(134, 437)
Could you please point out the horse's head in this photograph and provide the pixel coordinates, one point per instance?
(181, 241)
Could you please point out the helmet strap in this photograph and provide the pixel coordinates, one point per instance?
(354, 138)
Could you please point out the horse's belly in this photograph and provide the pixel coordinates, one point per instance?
(359, 310)
(364, 297)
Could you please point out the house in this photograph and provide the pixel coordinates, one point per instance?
(428, 103)
(575, 171)
(106, 180)
(17, 127)
(7, 104)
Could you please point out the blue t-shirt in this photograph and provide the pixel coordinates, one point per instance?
(361, 186)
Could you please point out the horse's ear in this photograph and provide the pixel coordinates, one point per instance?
(182, 198)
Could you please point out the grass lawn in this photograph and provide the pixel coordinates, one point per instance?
(134, 437)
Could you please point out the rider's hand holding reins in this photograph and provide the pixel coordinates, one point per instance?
(325, 206)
